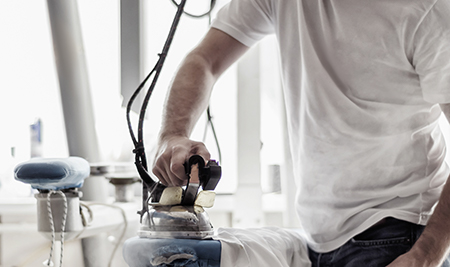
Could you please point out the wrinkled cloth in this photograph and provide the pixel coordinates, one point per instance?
(173, 255)
(269, 246)
(146, 252)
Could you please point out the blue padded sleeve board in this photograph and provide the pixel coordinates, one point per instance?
(142, 252)
(53, 173)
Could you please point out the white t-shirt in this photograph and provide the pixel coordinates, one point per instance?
(361, 82)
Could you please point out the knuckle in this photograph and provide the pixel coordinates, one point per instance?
(178, 170)
(198, 144)
(177, 150)
(158, 165)
(155, 171)
(175, 167)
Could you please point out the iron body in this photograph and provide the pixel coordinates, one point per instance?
(176, 222)
(187, 218)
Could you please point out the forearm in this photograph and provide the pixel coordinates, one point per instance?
(191, 88)
(188, 96)
(434, 243)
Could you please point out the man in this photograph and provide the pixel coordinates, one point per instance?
(364, 82)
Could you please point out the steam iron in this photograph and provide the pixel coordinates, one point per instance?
(178, 212)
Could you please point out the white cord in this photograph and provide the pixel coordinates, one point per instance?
(83, 217)
(125, 224)
(52, 226)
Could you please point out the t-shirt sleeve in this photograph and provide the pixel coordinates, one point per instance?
(248, 21)
(432, 53)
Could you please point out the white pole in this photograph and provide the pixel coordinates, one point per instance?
(248, 211)
(73, 79)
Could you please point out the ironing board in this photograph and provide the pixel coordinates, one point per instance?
(146, 252)
(53, 173)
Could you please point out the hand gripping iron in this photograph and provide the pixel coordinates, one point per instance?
(177, 212)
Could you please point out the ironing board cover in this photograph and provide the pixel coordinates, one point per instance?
(145, 252)
(53, 173)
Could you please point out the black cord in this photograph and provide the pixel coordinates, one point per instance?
(130, 103)
(208, 13)
(158, 67)
(139, 143)
(208, 114)
(212, 4)
(208, 110)
(140, 157)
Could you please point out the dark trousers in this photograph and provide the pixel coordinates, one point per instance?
(376, 247)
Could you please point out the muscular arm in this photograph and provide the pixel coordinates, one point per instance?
(187, 98)
(435, 240)
(433, 246)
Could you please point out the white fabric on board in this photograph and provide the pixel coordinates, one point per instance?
(268, 246)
